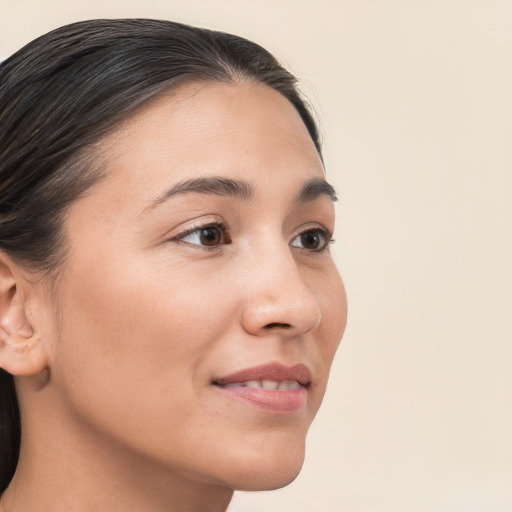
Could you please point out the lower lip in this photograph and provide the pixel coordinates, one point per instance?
(274, 402)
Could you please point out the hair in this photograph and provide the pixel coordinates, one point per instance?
(65, 91)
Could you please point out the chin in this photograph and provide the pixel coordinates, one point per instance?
(268, 468)
(274, 479)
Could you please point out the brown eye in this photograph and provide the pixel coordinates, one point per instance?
(312, 240)
(209, 236)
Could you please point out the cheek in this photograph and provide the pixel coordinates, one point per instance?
(338, 309)
(333, 303)
(133, 346)
(332, 298)
(140, 309)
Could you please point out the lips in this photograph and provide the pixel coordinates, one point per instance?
(271, 372)
(273, 388)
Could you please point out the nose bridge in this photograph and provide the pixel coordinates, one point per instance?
(277, 295)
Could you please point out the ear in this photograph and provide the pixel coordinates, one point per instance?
(21, 350)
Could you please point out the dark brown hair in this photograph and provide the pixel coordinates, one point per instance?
(60, 95)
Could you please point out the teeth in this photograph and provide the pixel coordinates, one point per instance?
(269, 385)
(288, 385)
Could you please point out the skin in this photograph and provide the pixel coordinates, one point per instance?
(115, 364)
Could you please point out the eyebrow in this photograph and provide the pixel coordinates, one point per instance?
(212, 186)
(313, 189)
(241, 189)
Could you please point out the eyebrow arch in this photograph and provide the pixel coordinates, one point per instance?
(311, 190)
(314, 188)
(215, 186)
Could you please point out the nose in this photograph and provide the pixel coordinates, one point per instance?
(278, 298)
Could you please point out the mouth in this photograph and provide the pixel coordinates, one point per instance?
(273, 388)
(269, 385)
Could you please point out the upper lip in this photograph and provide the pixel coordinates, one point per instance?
(273, 371)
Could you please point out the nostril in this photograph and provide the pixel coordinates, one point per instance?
(275, 325)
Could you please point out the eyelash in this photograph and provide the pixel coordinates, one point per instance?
(221, 226)
(224, 230)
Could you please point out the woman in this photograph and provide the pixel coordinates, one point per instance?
(169, 307)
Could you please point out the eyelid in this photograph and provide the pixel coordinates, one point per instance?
(203, 223)
(194, 224)
(326, 234)
(311, 226)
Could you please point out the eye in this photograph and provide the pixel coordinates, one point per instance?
(312, 240)
(210, 236)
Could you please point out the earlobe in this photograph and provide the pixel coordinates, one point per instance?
(21, 350)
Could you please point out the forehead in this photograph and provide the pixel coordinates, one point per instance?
(245, 130)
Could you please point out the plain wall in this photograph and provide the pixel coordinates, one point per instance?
(415, 102)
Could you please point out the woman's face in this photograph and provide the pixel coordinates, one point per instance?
(199, 279)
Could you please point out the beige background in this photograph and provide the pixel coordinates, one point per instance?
(415, 102)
